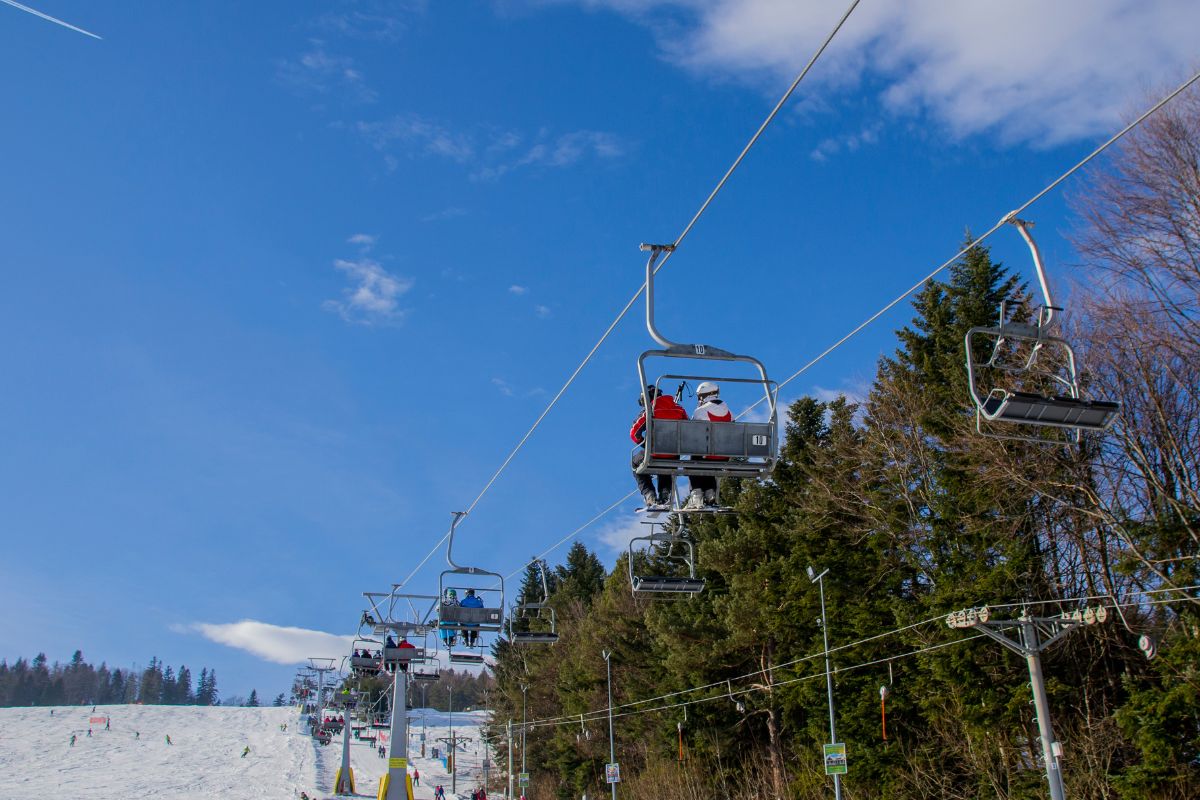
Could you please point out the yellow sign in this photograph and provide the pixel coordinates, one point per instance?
(397, 763)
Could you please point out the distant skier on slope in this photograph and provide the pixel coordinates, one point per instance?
(246, 751)
(169, 739)
(72, 740)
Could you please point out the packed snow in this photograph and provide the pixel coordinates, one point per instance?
(131, 758)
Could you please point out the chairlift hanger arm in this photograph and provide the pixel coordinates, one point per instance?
(1023, 227)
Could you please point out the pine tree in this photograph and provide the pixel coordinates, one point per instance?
(279, 700)
(252, 701)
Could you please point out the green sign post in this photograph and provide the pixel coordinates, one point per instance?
(835, 759)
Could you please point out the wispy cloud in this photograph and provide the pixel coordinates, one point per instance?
(1022, 71)
(373, 296)
(363, 240)
(445, 213)
(542, 312)
(275, 643)
(503, 386)
(518, 290)
(416, 136)
(848, 143)
(489, 154)
(378, 20)
(319, 72)
(617, 534)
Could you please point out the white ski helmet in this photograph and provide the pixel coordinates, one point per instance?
(706, 390)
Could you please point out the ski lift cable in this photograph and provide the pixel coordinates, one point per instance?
(829, 350)
(621, 315)
(812, 657)
(978, 240)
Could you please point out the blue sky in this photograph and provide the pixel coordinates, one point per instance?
(285, 282)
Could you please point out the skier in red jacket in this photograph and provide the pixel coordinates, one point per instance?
(663, 407)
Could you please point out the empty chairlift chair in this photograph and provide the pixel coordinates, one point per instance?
(1036, 370)
(524, 615)
(696, 447)
(672, 549)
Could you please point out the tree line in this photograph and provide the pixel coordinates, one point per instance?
(916, 515)
(40, 683)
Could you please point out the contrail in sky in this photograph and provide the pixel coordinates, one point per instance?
(37, 13)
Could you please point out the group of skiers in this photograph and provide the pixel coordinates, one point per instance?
(709, 408)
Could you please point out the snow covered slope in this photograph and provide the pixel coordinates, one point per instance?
(203, 762)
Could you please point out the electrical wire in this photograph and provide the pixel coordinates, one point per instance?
(662, 263)
(624, 707)
(1003, 220)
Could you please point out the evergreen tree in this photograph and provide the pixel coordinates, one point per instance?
(252, 701)
(279, 700)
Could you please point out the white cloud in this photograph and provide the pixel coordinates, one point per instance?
(364, 240)
(518, 290)
(446, 213)
(374, 294)
(317, 71)
(490, 153)
(276, 643)
(379, 20)
(1022, 71)
(617, 534)
(542, 311)
(418, 136)
(503, 386)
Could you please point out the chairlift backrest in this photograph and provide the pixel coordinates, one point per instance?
(488, 615)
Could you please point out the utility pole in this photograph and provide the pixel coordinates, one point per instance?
(524, 717)
(453, 749)
(820, 581)
(612, 750)
(508, 730)
(1036, 634)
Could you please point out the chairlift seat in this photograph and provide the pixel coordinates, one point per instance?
(535, 637)
(667, 585)
(466, 658)
(1060, 411)
(424, 677)
(364, 662)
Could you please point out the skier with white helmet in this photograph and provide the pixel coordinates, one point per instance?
(710, 408)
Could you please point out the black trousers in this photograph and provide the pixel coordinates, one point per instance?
(645, 483)
(703, 482)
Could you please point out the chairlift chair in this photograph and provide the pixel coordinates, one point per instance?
(1030, 360)
(698, 447)
(665, 584)
(489, 618)
(364, 665)
(541, 610)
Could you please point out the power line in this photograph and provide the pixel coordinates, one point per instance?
(1003, 220)
(625, 310)
(598, 713)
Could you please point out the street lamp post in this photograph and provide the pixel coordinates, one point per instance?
(820, 581)
(612, 751)
(524, 717)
